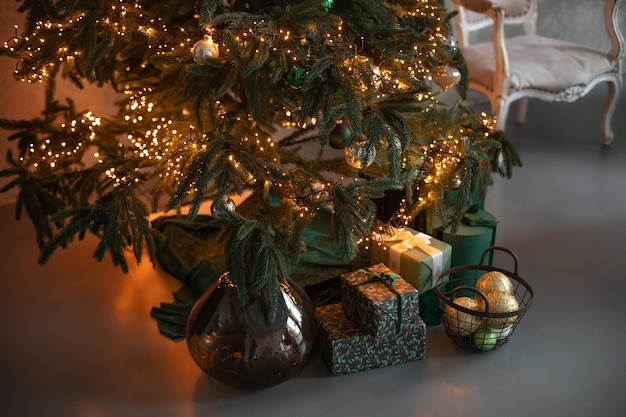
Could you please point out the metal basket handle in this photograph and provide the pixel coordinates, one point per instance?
(472, 289)
(493, 248)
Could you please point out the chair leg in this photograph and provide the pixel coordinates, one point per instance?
(521, 110)
(608, 110)
(501, 106)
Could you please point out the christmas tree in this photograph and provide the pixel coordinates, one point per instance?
(297, 105)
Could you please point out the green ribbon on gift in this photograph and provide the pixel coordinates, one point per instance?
(386, 279)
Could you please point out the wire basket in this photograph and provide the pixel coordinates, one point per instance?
(468, 317)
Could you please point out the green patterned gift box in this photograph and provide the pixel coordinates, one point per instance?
(347, 348)
(379, 300)
(417, 257)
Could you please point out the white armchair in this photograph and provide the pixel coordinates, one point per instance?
(531, 66)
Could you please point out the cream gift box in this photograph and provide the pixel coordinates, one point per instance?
(417, 257)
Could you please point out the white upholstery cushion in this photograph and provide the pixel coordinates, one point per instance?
(538, 63)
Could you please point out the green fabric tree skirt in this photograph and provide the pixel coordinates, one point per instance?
(191, 253)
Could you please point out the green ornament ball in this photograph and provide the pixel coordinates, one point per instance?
(485, 338)
(339, 136)
(273, 198)
(328, 4)
(296, 75)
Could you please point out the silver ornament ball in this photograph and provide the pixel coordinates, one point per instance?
(220, 207)
(204, 49)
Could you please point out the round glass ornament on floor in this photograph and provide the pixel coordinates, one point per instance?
(236, 344)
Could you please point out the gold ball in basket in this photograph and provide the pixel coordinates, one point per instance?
(500, 302)
(494, 281)
(460, 322)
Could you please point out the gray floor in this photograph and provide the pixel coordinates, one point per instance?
(77, 339)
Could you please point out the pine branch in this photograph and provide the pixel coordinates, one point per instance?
(354, 211)
(258, 61)
(510, 156)
(330, 122)
(98, 53)
(255, 260)
(208, 11)
(119, 218)
(213, 166)
(366, 73)
(37, 11)
(33, 197)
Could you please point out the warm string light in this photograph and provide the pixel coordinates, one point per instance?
(173, 144)
(280, 39)
(390, 230)
(77, 135)
(166, 144)
(284, 40)
(45, 48)
(489, 122)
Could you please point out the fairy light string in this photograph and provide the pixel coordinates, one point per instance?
(168, 141)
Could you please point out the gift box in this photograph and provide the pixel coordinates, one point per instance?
(347, 348)
(430, 310)
(475, 233)
(417, 257)
(379, 300)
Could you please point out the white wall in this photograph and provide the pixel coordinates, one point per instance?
(577, 21)
(580, 21)
(574, 20)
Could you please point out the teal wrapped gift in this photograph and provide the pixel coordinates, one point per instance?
(379, 300)
(475, 233)
(346, 348)
(417, 257)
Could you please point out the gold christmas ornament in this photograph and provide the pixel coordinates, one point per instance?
(500, 302)
(446, 76)
(494, 281)
(460, 322)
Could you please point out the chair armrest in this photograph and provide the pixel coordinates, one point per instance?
(464, 26)
(484, 7)
(497, 15)
(611, 17)
(477, 6)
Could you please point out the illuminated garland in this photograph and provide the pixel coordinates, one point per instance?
(169, 144)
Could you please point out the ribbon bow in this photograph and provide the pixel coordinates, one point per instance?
(409, 241)
(387, 279)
